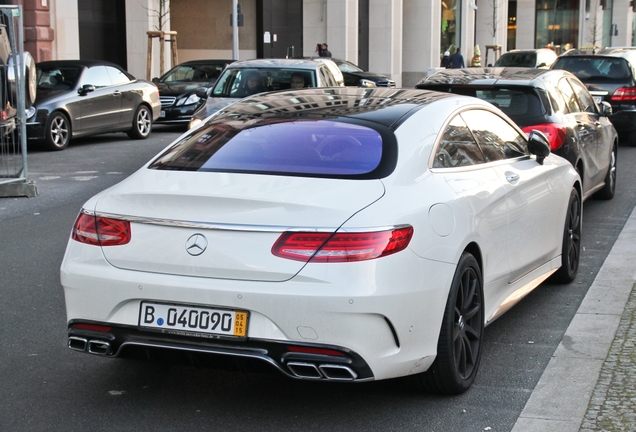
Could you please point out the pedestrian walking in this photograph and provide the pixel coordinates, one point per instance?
(446, 60)
(457, 60)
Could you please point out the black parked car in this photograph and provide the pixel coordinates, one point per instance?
(177, 88)
(355, 76)
(554, 102)
(610, 76)
(89, 97)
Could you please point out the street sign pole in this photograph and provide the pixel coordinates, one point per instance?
(235, 41)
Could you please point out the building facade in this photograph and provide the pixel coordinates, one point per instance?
(403, 39)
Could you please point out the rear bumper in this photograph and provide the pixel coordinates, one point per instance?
(384, 315)
(252, 354)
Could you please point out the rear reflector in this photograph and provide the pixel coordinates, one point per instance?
(92, 327)
(341, 247)
(312, 350)
(554, 131)
(624, 94)
(100, 231)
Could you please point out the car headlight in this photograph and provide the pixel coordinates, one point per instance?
(30, 112)
(367, 83)
(192, 99)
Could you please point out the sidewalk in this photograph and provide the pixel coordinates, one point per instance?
(590, 382)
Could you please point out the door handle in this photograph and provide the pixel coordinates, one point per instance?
(117, 93)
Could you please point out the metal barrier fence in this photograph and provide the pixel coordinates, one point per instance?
(17, 93)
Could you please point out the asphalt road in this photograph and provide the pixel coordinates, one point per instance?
(44, 386)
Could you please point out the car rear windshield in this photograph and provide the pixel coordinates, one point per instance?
(323, 148)
(525, 59)
(518, 102)
(595, 68)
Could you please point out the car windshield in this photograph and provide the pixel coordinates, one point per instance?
(349, 67)
(522, 59)
(595, 68)
(235, 82)
(57, 78)
(323, 148)
(195, 72)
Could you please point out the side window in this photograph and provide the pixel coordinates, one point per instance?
(97, 76)
(117, 77)
(568, 96)
(457, 147)
(497, 139)
(585, 99)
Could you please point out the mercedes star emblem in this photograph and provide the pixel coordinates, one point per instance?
(196, 244)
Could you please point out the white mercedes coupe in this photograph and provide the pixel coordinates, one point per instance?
(343, 234)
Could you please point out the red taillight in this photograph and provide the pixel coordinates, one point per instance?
(312, 350)
(341, 247)
(553, 131)
(624, 94)
(101, 231)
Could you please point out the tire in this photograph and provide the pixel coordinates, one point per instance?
(460, 340)
(607, 193)
(571, 248)
(58, 132)
(142, 123)
(30, 79)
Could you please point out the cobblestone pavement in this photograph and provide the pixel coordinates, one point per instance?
(612, 406)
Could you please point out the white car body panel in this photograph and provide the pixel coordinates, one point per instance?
(388, 310)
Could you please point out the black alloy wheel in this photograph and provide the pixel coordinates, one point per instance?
(607, 193)
(571, 249)
(58, 132)
(460, 339)
(142, 123)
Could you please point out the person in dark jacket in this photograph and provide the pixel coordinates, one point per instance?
(325, 51)
(446, 60)
(457, 60)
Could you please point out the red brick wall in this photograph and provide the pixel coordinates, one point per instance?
(38, 34)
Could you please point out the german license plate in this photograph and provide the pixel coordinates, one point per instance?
(598, 99)
(162, 114)
(195, 319)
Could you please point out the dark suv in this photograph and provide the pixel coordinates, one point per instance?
(609, 75)
(554, 102)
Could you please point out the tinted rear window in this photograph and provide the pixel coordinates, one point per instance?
(517, 102)
(526, 59)
(595, 68)
(295, 147)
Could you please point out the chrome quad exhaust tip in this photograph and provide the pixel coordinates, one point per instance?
(92, 346)
(332, 372)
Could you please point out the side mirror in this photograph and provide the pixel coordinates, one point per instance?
(202, 92)
(606, 109)
(542, 65)
(155, 80)
(539, 145)
(86, 88)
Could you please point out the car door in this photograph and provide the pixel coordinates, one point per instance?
(586, 132)
(99, 108)
(533, 237)
(130, 98)
(600, 129)
(461, 165)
